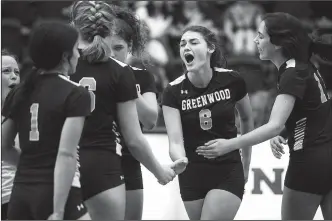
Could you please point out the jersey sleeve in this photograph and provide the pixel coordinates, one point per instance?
(149, 83)
(169, 99)
(240, 87)
(126, 85)
(78, 103)
(292, 82)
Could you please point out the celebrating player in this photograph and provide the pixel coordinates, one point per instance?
(47, 111)
(198, 108)
(303, 106)
(10, 77)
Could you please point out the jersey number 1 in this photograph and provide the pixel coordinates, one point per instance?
(91, 84)
(34, 133)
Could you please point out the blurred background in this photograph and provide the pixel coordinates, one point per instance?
(235, 22)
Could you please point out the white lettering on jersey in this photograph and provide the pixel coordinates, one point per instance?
(206, 99)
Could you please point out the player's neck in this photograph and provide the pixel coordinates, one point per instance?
(278, 60)
(58, 70)
(202, 77)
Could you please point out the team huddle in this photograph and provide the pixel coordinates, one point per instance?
(78, 117)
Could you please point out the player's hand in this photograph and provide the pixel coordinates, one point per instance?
(166, 175)
(216, 148)
(56, 216)
(179, 165)
(276, 146)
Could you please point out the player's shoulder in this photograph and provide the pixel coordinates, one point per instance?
(178, 81)
(227, 73)
(298, 68)
(66, 81)
(117, 62)
(72, 86)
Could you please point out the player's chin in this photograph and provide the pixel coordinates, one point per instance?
(263, 57)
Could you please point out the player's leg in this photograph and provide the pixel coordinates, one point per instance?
(223, 202)
(304, 184)
(102, 184)
(220, 205)
(134, 187)
(194, 208)
(192, 189)
(134, 204)
(326, 206)
(108, 205)
(299, 205)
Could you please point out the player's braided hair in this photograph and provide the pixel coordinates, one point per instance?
(94, 20)
(133, 31)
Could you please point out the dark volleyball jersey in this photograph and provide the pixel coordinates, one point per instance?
(145, 82)
(39, 124)
(310, 122)
(108, 83)
(206, 113)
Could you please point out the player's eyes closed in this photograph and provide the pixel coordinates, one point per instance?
(118, 48)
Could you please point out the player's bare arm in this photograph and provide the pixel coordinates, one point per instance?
(10, 154)
(247, 124)
(147, 109)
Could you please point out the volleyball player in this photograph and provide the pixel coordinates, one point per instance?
(129, 37)
(47, 111)
(113, 93)
(303, 106)
(199, 107)
(10, 77)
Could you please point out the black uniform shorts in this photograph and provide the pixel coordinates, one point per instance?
(132, 172)
(100, 171)
(31, 201)
(199, 178)
(310, 170)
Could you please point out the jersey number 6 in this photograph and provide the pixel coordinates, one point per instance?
(91, 84)
(205, 119)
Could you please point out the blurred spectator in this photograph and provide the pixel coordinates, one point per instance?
(235, 22)
(23, 11)
(154, 14)
(12, 37)
(241, 21)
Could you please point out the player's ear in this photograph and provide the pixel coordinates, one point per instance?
(65, 57)
(211, 48)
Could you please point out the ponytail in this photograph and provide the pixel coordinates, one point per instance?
(22, 92)
(97, 50)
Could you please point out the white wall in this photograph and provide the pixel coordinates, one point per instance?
(164, 202)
